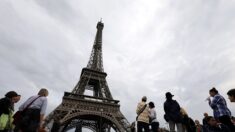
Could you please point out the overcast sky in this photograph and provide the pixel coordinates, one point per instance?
(149, 47)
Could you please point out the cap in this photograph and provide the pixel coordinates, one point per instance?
(169, 95)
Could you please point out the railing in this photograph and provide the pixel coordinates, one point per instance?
(90, 98)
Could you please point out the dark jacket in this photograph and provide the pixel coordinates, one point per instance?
(189, 124)
(5, 105)
(172, 111)
(6, 108)
(204, 122)
(220, 128)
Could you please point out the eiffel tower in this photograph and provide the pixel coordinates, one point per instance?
(98, 112)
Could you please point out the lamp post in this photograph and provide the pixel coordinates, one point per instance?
(101, 111)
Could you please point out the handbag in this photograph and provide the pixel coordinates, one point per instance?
(19, 114)
(166, 117)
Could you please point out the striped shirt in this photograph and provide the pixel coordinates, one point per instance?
(219, 106)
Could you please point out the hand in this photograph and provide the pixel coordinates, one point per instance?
(208, 99)
(42, 129)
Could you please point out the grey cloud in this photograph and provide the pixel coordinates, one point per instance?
(184, 47)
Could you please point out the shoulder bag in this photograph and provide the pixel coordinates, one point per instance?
(141, 110)
(19, 114)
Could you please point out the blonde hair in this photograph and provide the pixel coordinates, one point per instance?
(43, 92)
(183, 112)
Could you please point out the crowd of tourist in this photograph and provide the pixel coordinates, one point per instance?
(176, 116)
(30, 116)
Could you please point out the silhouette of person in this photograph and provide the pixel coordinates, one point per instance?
(7, 109)
(33, 117)
(142, 116)
(231, 95)
(172, 113)
(153, 117)
(220, 109)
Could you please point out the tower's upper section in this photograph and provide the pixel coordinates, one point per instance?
(96, 60)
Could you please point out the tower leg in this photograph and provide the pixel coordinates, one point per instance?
(55, 127)
(109, 128)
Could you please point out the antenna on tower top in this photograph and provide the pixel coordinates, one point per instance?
(101, 19)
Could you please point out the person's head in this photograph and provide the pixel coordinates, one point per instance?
(211, 121)
(133, 126)
(197, 122)
(43, 92)
(205, 114)
(151, 105)
(169, 95)
(213, 92)
(231, 95)
(232, 118)
(13, 96)
(144, 99)
(16, 99)
(183, 112)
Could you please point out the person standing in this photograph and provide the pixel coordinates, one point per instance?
(153, 117)
(142, 116)
(6, 110)
(231, 95)
(204, 121)
(33, 116)
(220, 109)
(187, 122)
(199, 127)
(172, 113)
(185, 119)
(133, 129)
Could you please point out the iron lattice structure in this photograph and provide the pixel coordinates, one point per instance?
(99, 112)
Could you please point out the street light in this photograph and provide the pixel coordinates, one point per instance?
(101, 111)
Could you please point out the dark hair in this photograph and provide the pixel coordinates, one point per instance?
(231, 92)
(214, 90)
(208, 118)
(11, 94)
(151, 105)
(144, 99)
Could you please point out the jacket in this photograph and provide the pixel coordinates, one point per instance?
(172, 110)
(144, 116)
